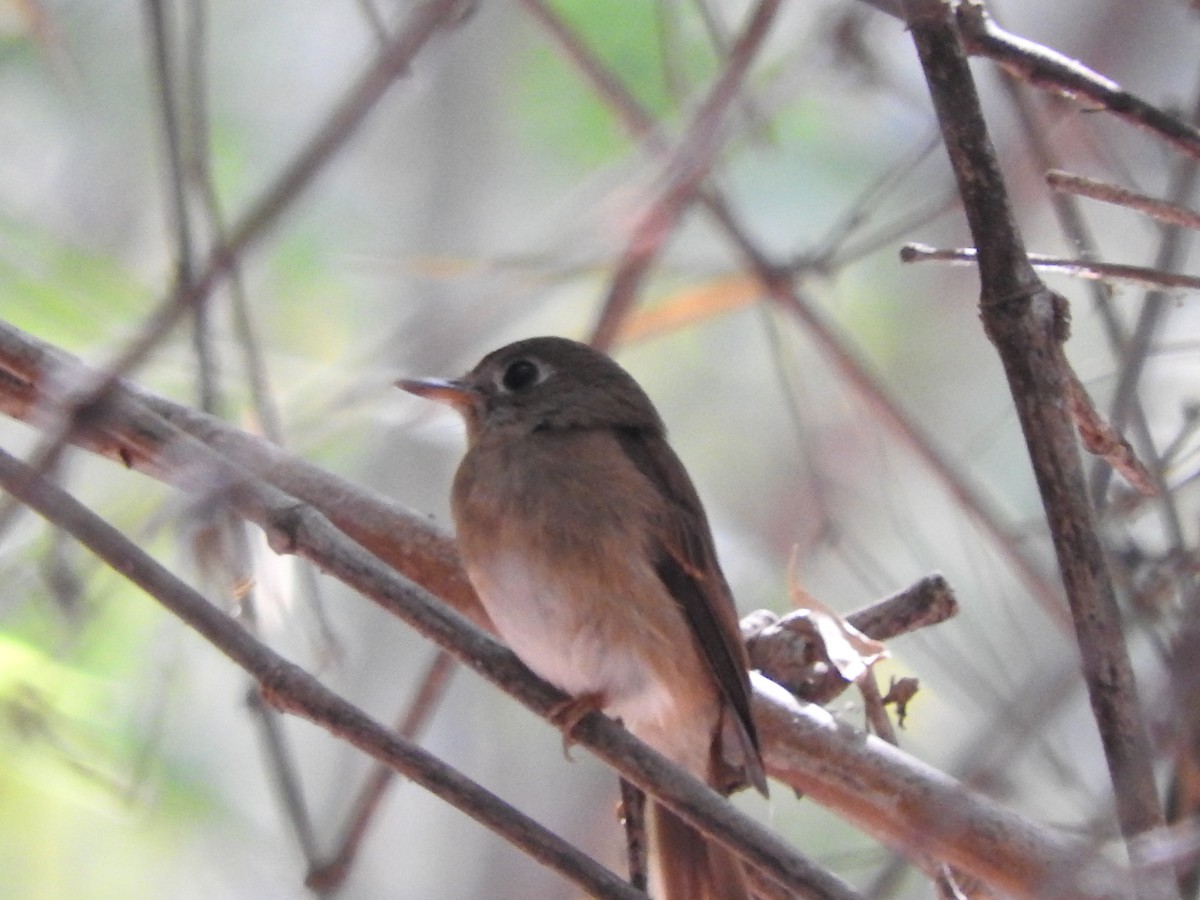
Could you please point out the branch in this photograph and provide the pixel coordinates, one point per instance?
(390, 63)
(330, 874)
(925, 813)
(1026, 323)
(1169, 213)
(31, 372)
(882, 791)
(1141, 276)
(291, 689)
(1050, 70)
(790, 652)
(145, 440)
(688, 166)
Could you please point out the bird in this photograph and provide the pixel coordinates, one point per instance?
(589, 548)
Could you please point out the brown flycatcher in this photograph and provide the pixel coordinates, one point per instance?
(591, 553)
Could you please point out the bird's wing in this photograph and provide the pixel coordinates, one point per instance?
(686, 561)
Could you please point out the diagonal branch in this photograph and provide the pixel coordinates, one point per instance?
(688, 166)
(391, 62)
(300, 528)
(291, 689)
(880, 790)
(1050, 70)
(330, 874)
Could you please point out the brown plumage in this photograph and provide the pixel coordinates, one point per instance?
(590, 550)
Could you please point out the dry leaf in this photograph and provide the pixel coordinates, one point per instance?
(690, 305)
(850, 651)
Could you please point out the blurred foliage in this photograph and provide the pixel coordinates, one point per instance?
(62, 292)
(626, 39)
(86, 798)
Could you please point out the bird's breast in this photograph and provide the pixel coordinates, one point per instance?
(556, 546)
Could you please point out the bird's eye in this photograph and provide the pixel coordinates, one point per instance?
(519, 375)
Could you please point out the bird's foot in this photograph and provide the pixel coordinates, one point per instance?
(568, 714)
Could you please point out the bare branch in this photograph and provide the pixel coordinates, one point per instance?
(1080, 268)
(1026, 323)
(802, 745)
(688, 167)
(291, 689)
(332, 873)
(1170, 213)
(1050, 70)
(300, 528)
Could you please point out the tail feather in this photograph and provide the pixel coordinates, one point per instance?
(689, 866)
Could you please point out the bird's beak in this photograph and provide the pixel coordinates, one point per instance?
(451, 392)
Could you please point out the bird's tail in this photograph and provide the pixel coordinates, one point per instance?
(689, 865)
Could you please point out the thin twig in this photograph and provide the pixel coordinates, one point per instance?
(1050, 70)
(280, 765)
(200, 174)
(1080, 268)
(834, 241)
(688, 166)
(330, 875)
(1107, 192)
(166, 81)
(182, 96)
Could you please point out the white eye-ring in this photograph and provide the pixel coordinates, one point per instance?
(520, 374)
